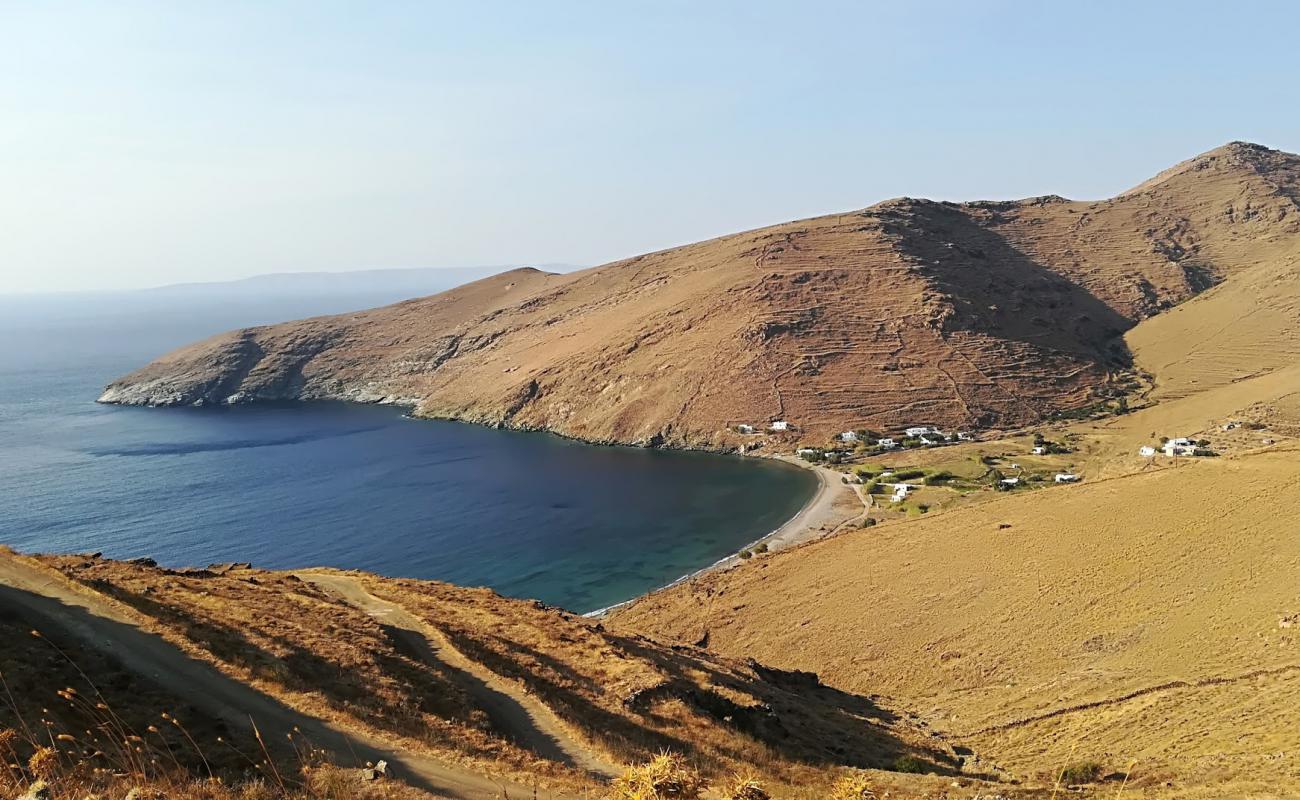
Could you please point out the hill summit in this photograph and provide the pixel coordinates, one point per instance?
(975, 314)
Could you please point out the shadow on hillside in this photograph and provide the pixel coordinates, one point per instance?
(1013, 296)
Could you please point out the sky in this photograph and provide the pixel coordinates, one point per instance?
(148, 143)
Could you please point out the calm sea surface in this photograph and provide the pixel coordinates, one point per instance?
(530, 515)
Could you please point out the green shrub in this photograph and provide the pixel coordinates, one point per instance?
(762, 547)
(867, 522)
(908, 474)
(942, 476)
(911, 764)
(1081, 772)
(746, 554)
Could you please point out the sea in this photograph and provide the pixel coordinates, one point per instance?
(296, 485)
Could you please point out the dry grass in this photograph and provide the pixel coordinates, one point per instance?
(632, 697)
(304, 646)
(74, 725)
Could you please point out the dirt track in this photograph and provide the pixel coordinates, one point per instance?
(522, 717)
(49, 601)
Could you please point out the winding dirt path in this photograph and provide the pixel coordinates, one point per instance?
(48, 601)
(520, 716)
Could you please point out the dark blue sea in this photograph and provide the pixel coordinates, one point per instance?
(530, 515)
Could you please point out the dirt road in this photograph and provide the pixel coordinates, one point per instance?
(520, 716)
(50, 602)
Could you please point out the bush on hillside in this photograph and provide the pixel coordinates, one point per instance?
(852, 787)
(743, 787)
(1081, 772)
(908, 474)
(911, 764)
(665, 777)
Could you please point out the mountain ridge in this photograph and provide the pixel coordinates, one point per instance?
(979, 314)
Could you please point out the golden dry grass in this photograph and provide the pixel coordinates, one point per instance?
(1134, 618)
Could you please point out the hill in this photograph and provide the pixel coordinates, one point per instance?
(464, 693)
(1148, 618)
(967, 315)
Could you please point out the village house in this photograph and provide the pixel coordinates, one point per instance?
(1039, 450)
(848, 436)
(1009, 482)
(965, 436)
(1066, 477)
(1180, 447)
(887, 444)
(1147, 451)
(919, 430)
(745, 428)
(779, 425)
(804, 452)
(901, 491)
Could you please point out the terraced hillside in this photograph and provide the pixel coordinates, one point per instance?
(978, 314)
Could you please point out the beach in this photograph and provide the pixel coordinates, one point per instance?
(831, 507)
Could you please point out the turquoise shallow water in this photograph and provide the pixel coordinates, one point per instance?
(530, 515)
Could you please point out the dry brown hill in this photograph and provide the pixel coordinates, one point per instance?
(909, 311)
(462, 691)
(1149, 618)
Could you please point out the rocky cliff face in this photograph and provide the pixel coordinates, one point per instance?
(976, 314)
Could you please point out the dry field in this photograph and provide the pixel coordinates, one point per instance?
(1146, 618)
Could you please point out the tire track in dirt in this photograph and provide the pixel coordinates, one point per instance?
(46, 599)
(520, 716)
(1169, 686)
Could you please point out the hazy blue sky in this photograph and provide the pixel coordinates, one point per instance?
(145, 143)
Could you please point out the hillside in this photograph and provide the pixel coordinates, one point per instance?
(972, 315)
(461, 691)
(1148, 618)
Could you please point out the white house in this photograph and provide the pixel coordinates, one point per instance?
(1180, 447)
(848, 436)
(926, 441)
(1010, 481)
(887, 444)
(1040, 450)
(806, 451)
(901, 491)
(1066, 477)
(779, 425)
(1147, 451)
(919, 430)
(964, 436)
(745, 428)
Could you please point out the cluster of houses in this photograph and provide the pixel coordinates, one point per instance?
(778, 426)
(925, 435)
(1182, 446)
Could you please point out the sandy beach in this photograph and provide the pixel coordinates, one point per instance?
(832, 506)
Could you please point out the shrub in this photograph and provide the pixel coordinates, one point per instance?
(942, 476)
(911, 764)
(665, 777)
(746, 554)
(743, 787)
(1081, 772)
(908, 474)
(871, 487)
(852, 787)
(762, 548)
(867, 522)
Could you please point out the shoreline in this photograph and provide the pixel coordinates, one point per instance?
(806, 525)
